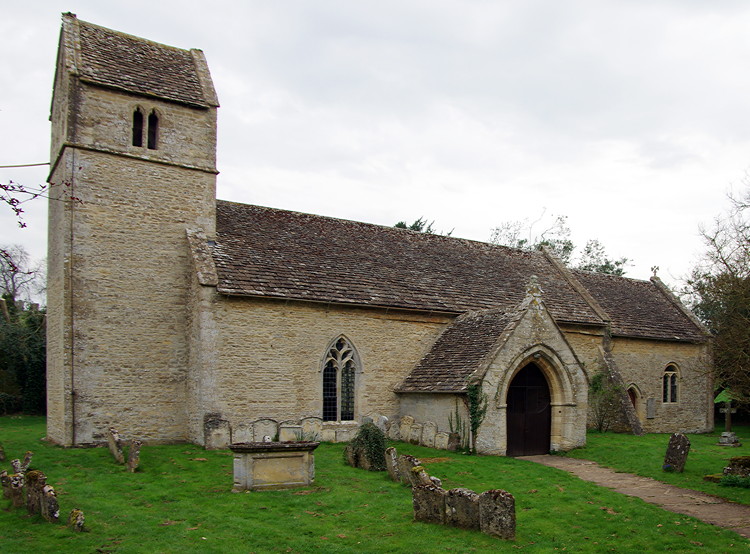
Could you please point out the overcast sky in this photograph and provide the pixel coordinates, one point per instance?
(629, 117)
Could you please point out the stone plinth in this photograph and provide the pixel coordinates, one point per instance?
(273, 465)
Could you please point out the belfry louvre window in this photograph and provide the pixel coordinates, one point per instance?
(669, 385)
(339, 371)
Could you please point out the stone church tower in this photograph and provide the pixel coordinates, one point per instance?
(134, 138)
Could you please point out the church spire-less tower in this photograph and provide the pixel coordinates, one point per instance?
(134, 138)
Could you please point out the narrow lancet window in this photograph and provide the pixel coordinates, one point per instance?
(153, 130)
(669, 385)
(137, 127)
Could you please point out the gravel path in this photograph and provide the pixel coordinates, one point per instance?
(705, 507)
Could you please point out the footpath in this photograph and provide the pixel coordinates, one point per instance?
(705, 507)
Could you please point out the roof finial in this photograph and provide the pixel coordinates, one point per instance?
(655, 270)
(533, 288)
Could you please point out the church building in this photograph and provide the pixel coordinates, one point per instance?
(173, 316)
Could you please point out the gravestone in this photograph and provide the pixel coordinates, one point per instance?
(415, 434)
(76, 520)
(115, 445)
(462, 509)
(739, 465)
(290, 431)
(677, 453)
(497, 514)
(5, 482)
(429, 430)
(394, 433)
(134, 455)
(16, 490)
(405, 427)
(391, 463)
(35, 482)
(50, 509)
(405, 465)
(419, 476)
(441, 441)
(428, 502)
(265, 427)
(242, 432)
(216, 432)
(454, 441)
(312, 428)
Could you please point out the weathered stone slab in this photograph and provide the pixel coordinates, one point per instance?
(328, 435)
(357, 457)
(50, 509)
(394, 432)
(462, 509)
(265, 428)
(76, 520)
(429, 430)
(346, 433)
(441, 441)
(405, 427)
(428, 502)
(5, 482)
(497, 514)
(381, 422)
(405, 465)
(16, 490)
(391, 463)
(729, 438)
(419, 476)
(115, 445)
(454, 442)
(216, 432)
(312, 428)
(243, 432)
(415, 434)
(289, 432)
(134, 455)
(677, 453)
(739, 465)
(35, 481)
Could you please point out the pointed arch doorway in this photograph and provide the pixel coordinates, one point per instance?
(529, 413)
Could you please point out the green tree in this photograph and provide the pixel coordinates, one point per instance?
(22, 338)
(421, 225)
(718, 290)
(555, 236)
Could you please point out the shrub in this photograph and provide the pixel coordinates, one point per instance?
(735, 481)
(371, 441)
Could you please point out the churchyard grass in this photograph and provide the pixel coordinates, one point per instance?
(644, 456)
(180, 501)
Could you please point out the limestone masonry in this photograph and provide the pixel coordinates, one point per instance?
(176, 317)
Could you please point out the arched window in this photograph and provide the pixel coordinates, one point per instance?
(339, 370)
(669, 384)
(137, 127)
(153, 130)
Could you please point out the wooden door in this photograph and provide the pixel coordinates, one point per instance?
(529, 413)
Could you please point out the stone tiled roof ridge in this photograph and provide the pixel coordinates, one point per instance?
(641, 308)
(137, 65)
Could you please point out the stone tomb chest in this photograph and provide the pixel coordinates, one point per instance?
(273, 465)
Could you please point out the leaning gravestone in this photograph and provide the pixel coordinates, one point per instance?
(497, 514)
(462, 509)
(391, 463)
(429, 503)
(404, 429)
(394, 433)
(677, 453)
(405, 465)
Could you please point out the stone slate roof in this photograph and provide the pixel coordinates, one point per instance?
(457, 353)
(113, 59)
(639, 308)
(281, 254)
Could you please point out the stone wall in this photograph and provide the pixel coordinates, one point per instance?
(269, 354)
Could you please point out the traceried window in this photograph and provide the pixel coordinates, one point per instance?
(669, 385)
(137, 127)
(339, 371)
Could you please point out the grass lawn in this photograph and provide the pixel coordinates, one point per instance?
(180, 501)
(645, 456)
